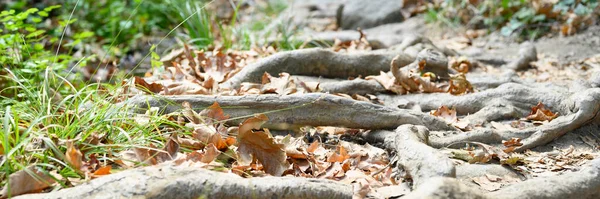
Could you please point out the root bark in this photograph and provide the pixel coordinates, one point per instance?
(166, 181)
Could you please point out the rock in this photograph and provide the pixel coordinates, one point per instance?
(367, 14)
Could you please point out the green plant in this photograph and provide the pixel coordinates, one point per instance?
(522, 18)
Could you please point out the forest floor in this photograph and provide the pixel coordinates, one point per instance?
(396, 110)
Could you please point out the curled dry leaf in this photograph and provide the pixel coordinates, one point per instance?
(461, 64)
(27, 180)
(541, 113)
(73, 156)
(449, 115)
(459, 85)
(340, 155)
(211, 152)
(218, 65)
(260, 145)
(294, 148)
(141, 84)
(282, 85)
(388, 82)
(214, 113)
(184, 87)
(511, 144)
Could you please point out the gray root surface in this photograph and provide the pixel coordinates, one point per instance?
(167, 181)
(292, 111)
(417, 158)
(579, 109)
(319, 62)
(527, 54)
(580, 184)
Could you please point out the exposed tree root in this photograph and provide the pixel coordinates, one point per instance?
(527, 54)
(518, 95)
(287, 112)
(414, 155)
(581, 184)
(166, 181)
(319, 62)
(355, 86)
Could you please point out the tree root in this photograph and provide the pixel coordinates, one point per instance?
(527, 54)
(581, 184)
(415, 156)
(291, 111)
(319, 62)
(517, 95)
(167, 181)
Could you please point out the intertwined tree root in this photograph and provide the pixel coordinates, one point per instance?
(167, 181)
(432, 173)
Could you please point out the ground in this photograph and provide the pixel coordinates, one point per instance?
(397, 109)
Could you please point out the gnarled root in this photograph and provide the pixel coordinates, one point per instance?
(319, 62)
(414, 155)
(289, 111)
(166, 181)
(580, 184)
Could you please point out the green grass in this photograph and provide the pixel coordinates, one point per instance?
(45, 104)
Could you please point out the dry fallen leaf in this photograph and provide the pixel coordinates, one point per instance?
(27, 180)
(260, 145)
(210, 154)
(103, 171)
(214, 113)
(282, 85)
(459, 85)
(73, 156)
(541, 113)
(340, 155)
(449, 115)
(147, 87)
(388, 82)
(511, 144)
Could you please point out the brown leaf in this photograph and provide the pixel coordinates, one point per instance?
(541, 113)
(210, 154)
(282, 85)
(449, 115)
(184, 87)
(260, 145)
(294, 148)
(147, 87)
(105, 170)
(73, 156)
(460, 64)
(512, 142)
(214, 112)
(27, 180)
(339, 156)
(459, 85)
(218, 65)
(387, 82)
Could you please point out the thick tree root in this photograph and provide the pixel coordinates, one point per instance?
(414, 155)
(319, 62)
(290, 111)
(581, 184)
(166, 181)
(518, 95)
